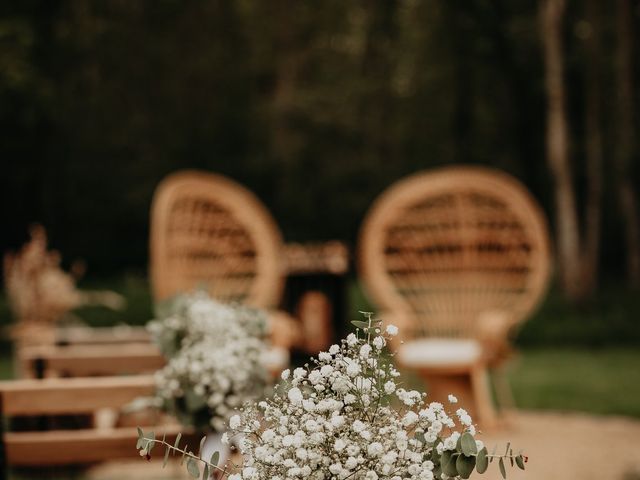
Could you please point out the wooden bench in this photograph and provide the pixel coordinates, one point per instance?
(105, 360)
(119, 335)
(72, 396)
(88, 360)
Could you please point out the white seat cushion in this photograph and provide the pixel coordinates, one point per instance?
(436, 352)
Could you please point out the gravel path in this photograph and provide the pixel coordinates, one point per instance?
(560, 446)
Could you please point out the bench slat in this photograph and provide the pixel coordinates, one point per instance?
(84, 360)
(72, 395)
(65, 447)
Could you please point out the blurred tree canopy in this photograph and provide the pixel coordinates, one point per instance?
(315, 106)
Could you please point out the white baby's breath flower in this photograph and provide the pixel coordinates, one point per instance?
(392, 330)
(234, 422)
(336, 420)
(324, 357)
(452, 399)
(295, 396)
(379, 342)
(285, 374)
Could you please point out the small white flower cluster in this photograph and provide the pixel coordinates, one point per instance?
(346, 417)
(215, 354)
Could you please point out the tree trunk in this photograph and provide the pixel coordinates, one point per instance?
(568, 237)
(625, 151)
(594, 149)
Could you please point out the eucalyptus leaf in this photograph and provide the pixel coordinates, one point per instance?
(468, 444)
(520, 462)
(166, 457)
(215, 458)
(482, 462)
(465, 466)
(192, 468)
(177, 442)
(503, 472)
(205, 472)
(202, 440)
(360, 324)
(450, 467)
(141, 440)
(445, 457)
(151, 444)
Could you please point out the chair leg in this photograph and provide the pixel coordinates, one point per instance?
(481, 386)
(504, 394)
(470, 387)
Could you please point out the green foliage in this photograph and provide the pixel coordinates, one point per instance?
(482, 462)
(466, 457)
(146, 442)
(193, 468)
(101, 100)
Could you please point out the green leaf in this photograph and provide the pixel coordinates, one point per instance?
(437, 471)
(202, 440)
(482, 462)
(450, 467)
(205, 472)
(152, 437)
(445, 457)
(141, 440)
(520, 462)
(506, 452)
(215, 458)
(360, 324)
(192, 468)
(166, 457)
(193, 401)
(465, 466)
(178, 437)
(503, 472)
(468, 444)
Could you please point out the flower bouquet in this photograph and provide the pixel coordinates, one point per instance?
(215, 354)
(346, 416)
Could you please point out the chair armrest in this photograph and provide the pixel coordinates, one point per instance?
(284, 331)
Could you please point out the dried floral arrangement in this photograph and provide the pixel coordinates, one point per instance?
(40, 293)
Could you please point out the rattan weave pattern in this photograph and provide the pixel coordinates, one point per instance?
(210, 232)
(446, 246)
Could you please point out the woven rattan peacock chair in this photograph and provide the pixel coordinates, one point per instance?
(209, 232)
(457, 257)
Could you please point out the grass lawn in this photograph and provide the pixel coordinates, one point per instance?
(603, 381)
